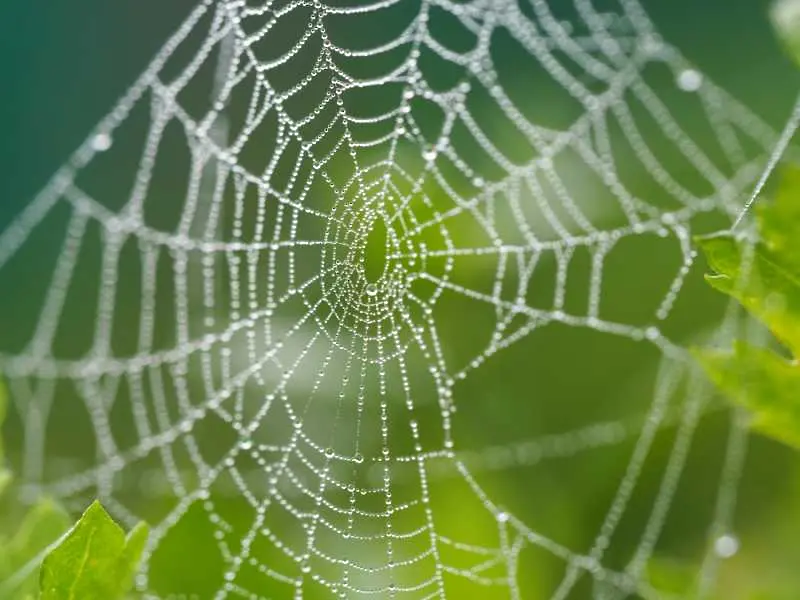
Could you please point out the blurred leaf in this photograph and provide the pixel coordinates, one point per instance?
(95, 561)
(764, 383)
(20, 556)
(780, 221)
(770, 291)
(765, 278)
(785, 16)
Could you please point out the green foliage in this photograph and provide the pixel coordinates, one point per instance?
(95, 561)
(765, 277)
(764, 383)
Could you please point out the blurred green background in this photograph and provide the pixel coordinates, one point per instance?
(65, 63)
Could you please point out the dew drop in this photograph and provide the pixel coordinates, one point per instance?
(726, 546)
(689, 80)
(371, 289)
(652, 333)
(102, 142)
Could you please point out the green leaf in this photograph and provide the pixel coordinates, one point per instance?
(762, 382)
(95, 561)
(785, 16)
(20, 556)
(769, 288)
(765, 277)
(780, 220)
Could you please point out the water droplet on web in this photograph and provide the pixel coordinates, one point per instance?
(689, 80)
(246, 444)
(102, 142)
(652, 333)
(726, 546)
(371, 289)
(651, 46)
(358, 459)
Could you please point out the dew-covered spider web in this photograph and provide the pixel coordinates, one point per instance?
(283, 261)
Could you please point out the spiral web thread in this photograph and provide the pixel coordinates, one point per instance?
(268, 281)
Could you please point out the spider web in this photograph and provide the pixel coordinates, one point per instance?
(347, 177)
